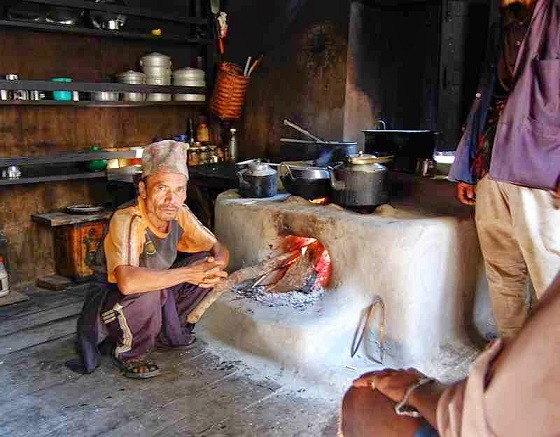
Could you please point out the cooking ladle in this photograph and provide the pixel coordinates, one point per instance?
(303, 131)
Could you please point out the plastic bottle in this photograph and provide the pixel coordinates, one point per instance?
(4, 285)
(232, 147)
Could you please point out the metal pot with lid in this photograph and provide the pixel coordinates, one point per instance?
(303, 179)
(258, 179)
(132, 78)
(361, 181)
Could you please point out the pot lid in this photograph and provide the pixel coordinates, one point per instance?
(362, 158)
(257, 168)
(132, 75)
(191, 73)
(155, 58)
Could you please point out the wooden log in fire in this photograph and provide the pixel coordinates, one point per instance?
(240, 276)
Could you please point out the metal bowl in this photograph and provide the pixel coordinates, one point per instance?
(302, 170)
(105, 96)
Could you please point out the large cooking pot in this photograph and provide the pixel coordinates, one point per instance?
(301, 178)
(321, 152)
(407, 146)
(360, 181)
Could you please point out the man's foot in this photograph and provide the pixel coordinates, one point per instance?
(140, 368)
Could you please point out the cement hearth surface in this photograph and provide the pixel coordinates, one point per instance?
(204, 391)
(418, 256)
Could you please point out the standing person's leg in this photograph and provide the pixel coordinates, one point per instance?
(505, 266)
(537, 227)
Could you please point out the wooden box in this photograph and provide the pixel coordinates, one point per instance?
(75, 247)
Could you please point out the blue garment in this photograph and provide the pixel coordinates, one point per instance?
(425, 430)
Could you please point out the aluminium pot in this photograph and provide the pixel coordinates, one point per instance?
(301, 178)
(258, 179)
(360, 181)
(105, 96)
(132, 78)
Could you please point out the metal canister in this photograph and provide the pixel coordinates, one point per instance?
(193, 157)
(427, 168)
(16, 94)
(204, 154)
(212, 154)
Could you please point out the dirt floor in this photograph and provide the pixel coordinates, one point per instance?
(198, 393)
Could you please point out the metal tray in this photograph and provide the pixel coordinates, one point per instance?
(84, 209)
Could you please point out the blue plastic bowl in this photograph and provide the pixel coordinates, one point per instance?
(62, 95)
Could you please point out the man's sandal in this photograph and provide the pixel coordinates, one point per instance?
(132, 369)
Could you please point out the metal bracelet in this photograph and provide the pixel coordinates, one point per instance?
(411, 412)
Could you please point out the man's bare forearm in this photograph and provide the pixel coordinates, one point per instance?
(425, 399)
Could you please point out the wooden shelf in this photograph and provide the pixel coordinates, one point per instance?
(92, 104)
(126, 10)
(53, 178)
(47, 27)
(47, 85)
(61, 158)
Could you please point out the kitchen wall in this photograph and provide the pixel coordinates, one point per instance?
(303, 73)
(34, 131)
(336, 67)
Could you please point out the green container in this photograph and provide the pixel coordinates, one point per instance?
(98, 164)
(65, 96)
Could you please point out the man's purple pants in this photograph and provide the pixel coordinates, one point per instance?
(138, 322)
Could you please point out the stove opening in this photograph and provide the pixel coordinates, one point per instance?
(309, 268)
(320, 201)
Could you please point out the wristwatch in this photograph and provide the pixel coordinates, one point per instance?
(401, 408)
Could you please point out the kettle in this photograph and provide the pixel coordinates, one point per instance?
(258, 179)
(360, 181)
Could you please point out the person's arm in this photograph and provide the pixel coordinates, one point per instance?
(132, 280)
(394, 384)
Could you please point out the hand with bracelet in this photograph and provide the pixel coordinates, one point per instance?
(418, 392)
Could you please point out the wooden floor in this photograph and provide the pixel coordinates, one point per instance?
(197, 394)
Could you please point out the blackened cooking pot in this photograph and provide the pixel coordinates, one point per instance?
(321, 153)
(407, 146)
(361, 181)
(300, 178)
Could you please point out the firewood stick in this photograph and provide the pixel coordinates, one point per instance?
(237, 278)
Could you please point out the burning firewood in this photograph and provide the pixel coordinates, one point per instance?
(240, 276)
(300, 260)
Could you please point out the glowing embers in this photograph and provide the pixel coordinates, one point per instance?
(321, 201)
(309, 269)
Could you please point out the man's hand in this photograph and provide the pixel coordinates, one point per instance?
(205, 273)
(466, 193)
(392, 383)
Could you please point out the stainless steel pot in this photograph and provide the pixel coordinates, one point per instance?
(132, 78)
(105, 96)
(108, 21)
(257, 180)
(361, 181)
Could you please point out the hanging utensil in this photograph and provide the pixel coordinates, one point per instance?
(303, 131)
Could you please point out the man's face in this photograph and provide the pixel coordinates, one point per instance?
(164, 194)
